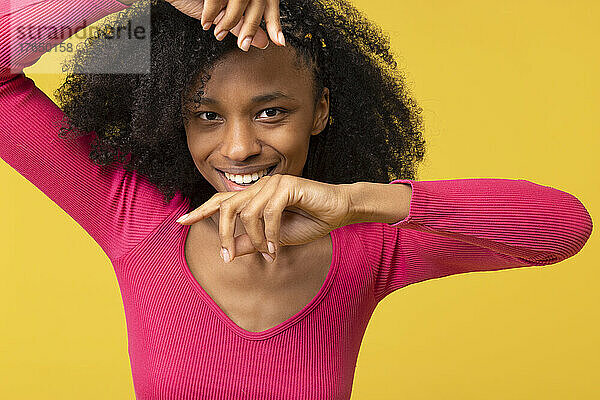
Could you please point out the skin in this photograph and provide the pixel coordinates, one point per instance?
(232, 130)
(235, 131)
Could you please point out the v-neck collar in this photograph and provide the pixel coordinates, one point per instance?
(195, 285)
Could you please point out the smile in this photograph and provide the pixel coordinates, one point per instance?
(246, 179)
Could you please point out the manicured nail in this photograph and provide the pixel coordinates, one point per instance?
(246, 43)
(221, 35)
(183, 218)
(267, 257)
(206, 25)
(225, 254)
(271, 247)
(281, 38)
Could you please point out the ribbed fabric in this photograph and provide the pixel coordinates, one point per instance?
(181, 344)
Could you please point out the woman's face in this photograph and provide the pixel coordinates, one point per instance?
(257, 113)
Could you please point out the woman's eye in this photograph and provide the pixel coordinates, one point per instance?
(267, 112)
(271, 112)
(210, 116)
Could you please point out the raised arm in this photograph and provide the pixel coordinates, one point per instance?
(117, 208)
(466, 225)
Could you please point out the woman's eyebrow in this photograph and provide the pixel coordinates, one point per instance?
(262, 98)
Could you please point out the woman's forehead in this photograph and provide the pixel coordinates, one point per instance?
(257, 69)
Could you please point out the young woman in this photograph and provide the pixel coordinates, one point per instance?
(282, 158)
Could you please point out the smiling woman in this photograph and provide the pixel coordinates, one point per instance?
(257, 111)
(330, 48)
(238, 146)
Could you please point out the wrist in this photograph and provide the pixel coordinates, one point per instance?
(378, 202)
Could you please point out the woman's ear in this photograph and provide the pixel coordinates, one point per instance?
(321, 113)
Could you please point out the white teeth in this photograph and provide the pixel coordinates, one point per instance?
(247, 178)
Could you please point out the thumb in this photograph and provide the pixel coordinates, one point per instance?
(259, 40)
(243, 245)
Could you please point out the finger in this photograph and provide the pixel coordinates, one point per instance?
(272, 215)
(192, 9)
(252, 215)
(227, 218)
(252, 18)
(210, 11)
(273, 23)
(260, 39)
(258, 241)
(243, 245)
(219, 16)
(233, 14)
(207, 209)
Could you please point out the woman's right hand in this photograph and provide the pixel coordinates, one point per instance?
(240, 17)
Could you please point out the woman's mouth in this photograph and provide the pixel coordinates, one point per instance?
(240, 182)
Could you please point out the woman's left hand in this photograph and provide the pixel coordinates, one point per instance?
(280, 209)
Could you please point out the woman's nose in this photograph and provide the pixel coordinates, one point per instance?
(239, 143)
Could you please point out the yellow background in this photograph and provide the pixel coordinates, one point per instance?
(510, 89)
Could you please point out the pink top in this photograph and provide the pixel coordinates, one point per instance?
(181, 345)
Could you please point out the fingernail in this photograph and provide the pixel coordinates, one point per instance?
(221, 35)
(225, 254)
(271, 247)
(246, 43)
(266, 45)
(206, 25)
(281, 38)
(267, 257)
(183, 217)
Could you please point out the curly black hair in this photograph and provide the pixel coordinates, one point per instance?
(375, 130)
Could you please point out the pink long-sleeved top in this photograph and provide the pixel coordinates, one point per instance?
(181, 344)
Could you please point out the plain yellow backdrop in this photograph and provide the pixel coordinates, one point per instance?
(509, 89)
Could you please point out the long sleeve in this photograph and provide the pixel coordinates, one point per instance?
(116, 207)
(467, 225)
